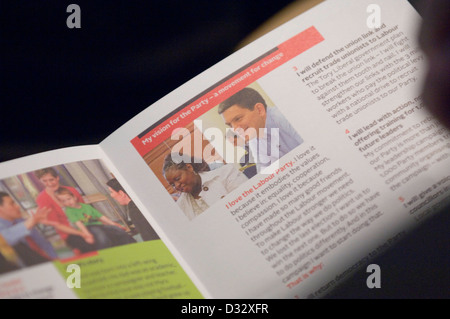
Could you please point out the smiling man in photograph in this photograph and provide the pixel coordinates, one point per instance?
(266, 131)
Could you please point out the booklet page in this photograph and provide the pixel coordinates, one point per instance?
(68, 229)
(289, 165)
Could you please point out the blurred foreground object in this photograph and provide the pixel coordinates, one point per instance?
(434, 38)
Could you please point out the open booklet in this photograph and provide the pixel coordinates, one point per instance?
(276, 173)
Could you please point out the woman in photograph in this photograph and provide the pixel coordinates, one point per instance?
(200, 186)
(74, 238)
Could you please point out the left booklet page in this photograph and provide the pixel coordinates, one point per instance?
(69, 229)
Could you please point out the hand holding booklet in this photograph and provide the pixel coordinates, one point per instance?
(276, 173)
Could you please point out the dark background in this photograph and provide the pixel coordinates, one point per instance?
(64, 87)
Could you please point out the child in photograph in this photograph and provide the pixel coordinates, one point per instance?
(74, 238)
(90, 221)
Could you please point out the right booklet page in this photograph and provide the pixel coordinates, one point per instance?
(289, 165)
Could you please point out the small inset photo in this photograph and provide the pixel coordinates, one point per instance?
(65, 211)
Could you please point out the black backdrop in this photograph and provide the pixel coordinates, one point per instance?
(63, 87)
